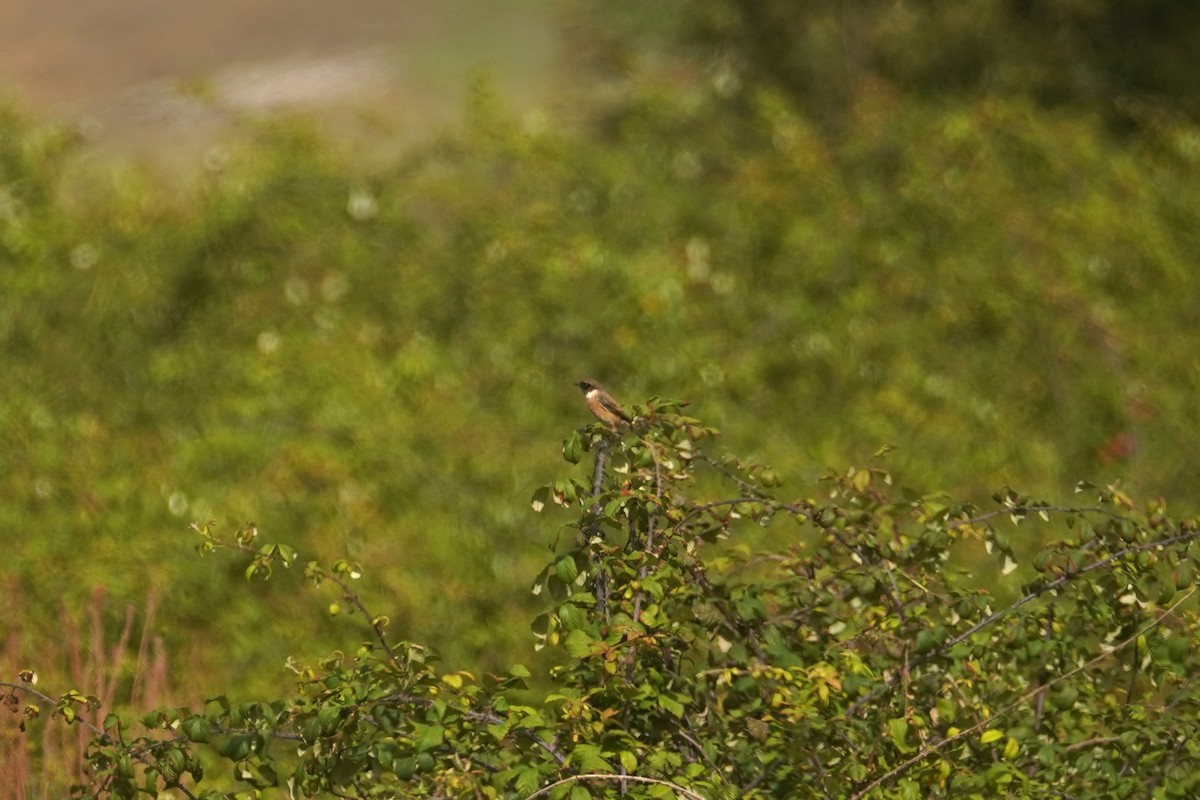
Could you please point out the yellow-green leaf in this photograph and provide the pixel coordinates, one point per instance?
(1011, 748)
(991, 736)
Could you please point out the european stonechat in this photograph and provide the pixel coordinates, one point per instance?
(600, 402)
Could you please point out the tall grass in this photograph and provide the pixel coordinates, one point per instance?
(117, 658)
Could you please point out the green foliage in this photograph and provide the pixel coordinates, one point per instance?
(867, 656)
(369, 361)
(1121, 59)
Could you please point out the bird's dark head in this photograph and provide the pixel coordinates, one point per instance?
(587, 385)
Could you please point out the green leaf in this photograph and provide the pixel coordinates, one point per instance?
(573, 448)
(540, 626)
(653, 587)
(405, 767)
(579, 644)
(613, 507)
(587, 758)
(991, 735)
(196, 729)
(1011, 748)
(310, 731)
(566, 569)
(1064, 697)
(559, 590)
(538, 502)
(899, 732)
(429, 737)
(235, 748)
(947, 710)
(670, 705)
(571, 616)
(527, 780)
(911, 790)
(329, 717)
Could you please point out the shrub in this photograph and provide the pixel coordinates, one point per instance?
(873, 642)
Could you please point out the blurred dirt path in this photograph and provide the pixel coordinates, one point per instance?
(139, 73)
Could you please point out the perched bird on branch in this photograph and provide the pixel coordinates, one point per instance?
(601, 403)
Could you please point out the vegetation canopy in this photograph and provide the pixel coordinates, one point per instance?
(863, 658)
(970, 230)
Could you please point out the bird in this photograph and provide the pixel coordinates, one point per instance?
(601, 403)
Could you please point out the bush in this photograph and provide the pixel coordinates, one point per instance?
(894, 644)
(370, 360)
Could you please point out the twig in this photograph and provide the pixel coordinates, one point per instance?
(601, 776)
(928, 751)
(598, 472)
(1033, 594)
(1004, 512)
(648, 545)
(354, 600)
(97, 732)
(1066, 577)
(600, 582)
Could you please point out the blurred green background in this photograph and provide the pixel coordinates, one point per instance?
(968, 230)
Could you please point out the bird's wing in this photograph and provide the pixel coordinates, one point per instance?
(613, 407)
